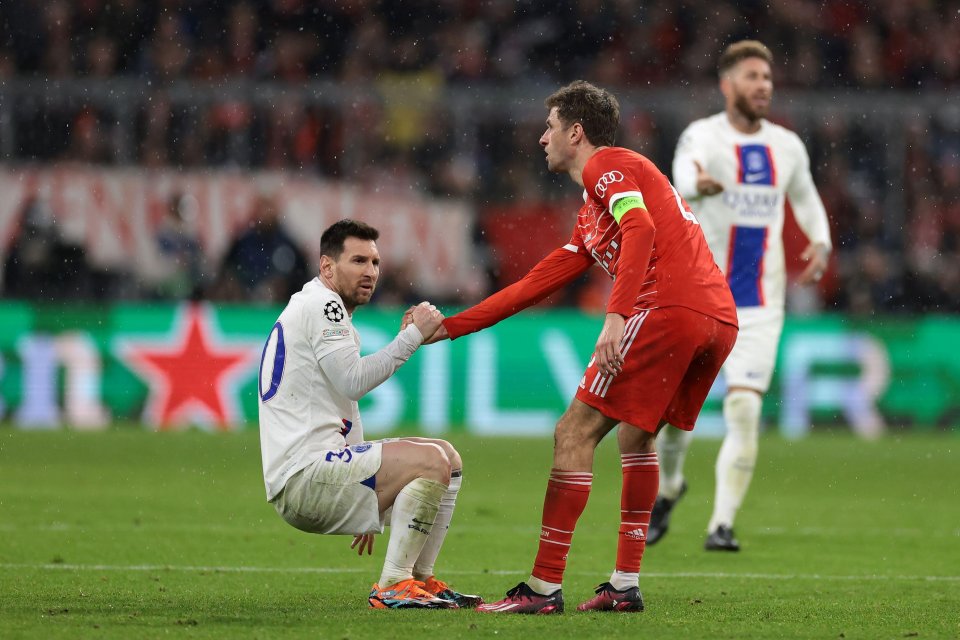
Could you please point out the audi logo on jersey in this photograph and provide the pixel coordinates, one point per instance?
(606, 180)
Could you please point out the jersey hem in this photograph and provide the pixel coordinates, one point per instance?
(694, 309)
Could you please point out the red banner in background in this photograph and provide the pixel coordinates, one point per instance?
(521, 234)
(114, 215)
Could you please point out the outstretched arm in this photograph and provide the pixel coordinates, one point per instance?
(558, 269)
(354, 376)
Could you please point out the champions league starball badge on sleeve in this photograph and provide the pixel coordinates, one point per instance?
(333, 311)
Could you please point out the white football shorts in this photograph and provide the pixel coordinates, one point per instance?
(335, 493)
(754, 355)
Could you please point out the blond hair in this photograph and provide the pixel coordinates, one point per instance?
(741, 51)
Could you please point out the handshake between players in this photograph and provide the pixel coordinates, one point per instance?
(427, 319)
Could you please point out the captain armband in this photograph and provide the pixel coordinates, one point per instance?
(621, 206)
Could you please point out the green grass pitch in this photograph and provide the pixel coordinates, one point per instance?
(133, 534)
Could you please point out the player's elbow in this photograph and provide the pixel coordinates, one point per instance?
(350, 387)
(354, 392)
(637, 221)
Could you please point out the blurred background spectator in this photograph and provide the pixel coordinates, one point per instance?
(444, 98)
(181, 274)
(263, 263)
(41, 265)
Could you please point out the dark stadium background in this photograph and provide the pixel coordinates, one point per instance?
(140, 138)
(167, 168)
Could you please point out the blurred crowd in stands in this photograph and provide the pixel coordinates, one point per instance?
(379, 116)
(263, 263)
(820, 43)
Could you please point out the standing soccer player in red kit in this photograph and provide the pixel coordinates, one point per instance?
(670, 323)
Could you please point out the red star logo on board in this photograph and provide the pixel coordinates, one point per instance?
(192, 374)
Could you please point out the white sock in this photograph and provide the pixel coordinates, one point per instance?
(622, 581)
(672, 445)
(423, 568)
(414, 512)
(738, 455)
(543, 587)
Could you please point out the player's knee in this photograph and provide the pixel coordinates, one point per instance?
(452, 454)
(566, 441)
(646, 442)
(633, 439)
(435, 464)
(561, 437)
(456, 462)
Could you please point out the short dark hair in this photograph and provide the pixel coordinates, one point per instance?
(596, 109)
(331, 242)
(741, 51)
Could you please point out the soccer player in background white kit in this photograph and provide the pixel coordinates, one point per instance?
(736, 170)
(320, 474)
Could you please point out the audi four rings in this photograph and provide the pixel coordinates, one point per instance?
(606, 180)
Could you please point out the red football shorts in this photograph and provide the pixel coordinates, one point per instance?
(671, 356)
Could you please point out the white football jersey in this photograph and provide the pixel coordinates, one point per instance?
(744, 223)
(301, 413)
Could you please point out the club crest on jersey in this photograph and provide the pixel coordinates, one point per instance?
(333, 311)
(756, 165)
(606, 180)
(345, 429)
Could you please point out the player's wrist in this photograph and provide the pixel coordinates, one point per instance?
(413, 334)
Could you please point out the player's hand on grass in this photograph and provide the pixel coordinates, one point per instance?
(706, 185)
(365, 541)
(816, 255)
(427, 319)
(607, 354)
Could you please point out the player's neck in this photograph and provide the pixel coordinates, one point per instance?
(742, 123)
(576, 169)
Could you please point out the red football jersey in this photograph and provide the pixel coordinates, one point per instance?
(635, 225)
(680, 269)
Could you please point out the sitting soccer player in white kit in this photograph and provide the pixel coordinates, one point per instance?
(320, 474)
(736, 169)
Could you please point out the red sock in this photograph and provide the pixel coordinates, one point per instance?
(567, 493)
(641, 480)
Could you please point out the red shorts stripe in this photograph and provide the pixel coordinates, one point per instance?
(671, 356)
(630, 331)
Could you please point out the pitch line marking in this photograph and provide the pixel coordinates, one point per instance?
(159, 527)
(652, 574)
